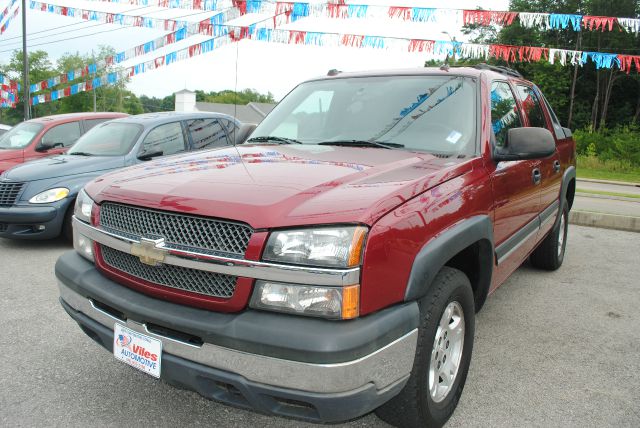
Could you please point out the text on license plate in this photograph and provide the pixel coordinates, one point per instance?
(137, 350)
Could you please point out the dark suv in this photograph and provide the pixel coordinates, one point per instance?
(334, 263)
(36, 198)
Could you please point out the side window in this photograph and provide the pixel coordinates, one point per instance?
(62, 135)
(90, 123)
(166, 139)
(504, 111)
(557, 127)
(207, 133)
(531, 107)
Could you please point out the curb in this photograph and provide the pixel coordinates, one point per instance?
(605, 221)
(617, 183)
(598, 196)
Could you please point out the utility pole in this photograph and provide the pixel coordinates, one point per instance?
(25, 63)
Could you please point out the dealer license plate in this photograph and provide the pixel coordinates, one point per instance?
(137, 350)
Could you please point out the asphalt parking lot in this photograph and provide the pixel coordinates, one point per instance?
(551, 349)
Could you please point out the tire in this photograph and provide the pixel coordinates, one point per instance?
(419, 404)
(549, 254)
(67, 228)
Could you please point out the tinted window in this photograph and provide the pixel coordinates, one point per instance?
(531, 107)
(435, 114)
(20, 136)
(557, 127)
(62, 135)
(166, 139)
(90, 123)
(207, 133)
(109, 139)
(504, 111)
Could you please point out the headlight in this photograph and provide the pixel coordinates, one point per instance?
(84, 206)
(51, 195)
(310, 300)
(326, 246)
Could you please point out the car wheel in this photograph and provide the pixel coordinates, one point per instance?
(67, 227)
(550, 253)
(443, 354)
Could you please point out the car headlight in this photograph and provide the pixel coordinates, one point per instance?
(84, 206)
(51, 195)
(337, 247)
(309, 300)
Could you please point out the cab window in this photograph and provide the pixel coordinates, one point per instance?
(62, 135)
(504, 112)
(531, 107)
(164, 140)
(207, 133)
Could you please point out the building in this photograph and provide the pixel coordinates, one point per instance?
(250, 113)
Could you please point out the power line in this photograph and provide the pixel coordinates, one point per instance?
(100, 32)
(77, 23)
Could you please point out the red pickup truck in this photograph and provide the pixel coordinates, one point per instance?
(334, 263)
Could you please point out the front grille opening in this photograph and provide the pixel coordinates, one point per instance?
(227, 393)
(175, 334)
(109, 310)
(179, 230)
(191, 280)
(9, 192)
(295, 408)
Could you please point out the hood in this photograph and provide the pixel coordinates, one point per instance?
(10, 158)
(63, 166)
(277, 186)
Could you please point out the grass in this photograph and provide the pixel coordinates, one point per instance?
(605, 193)
(614, 170)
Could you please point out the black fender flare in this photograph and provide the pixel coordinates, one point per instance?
(435, 253)
(569, 174)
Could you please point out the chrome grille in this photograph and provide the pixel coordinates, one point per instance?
(9, 192)
(180, 231)
(193, 280)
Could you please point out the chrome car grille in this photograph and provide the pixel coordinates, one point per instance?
(178, 230)
(192, 280)
(9, 192)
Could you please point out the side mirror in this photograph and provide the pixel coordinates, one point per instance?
(526, 143)
(45, 146)
(145, 156)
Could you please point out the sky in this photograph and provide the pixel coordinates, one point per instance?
(265, 67)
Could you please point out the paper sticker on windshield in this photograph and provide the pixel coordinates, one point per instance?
(453, 137)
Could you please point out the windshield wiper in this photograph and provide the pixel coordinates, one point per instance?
(268, 138)
(80, 154)
(361, 143)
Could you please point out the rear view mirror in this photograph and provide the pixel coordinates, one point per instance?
(150, 155)
(48, 145)
(526, 143)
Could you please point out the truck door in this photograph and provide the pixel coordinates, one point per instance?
(516, 188)
(550, 168)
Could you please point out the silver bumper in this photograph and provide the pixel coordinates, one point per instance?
(385, 367)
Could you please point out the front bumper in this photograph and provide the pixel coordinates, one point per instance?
(33, 221)
(317, 370)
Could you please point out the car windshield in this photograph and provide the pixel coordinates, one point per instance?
(435, 114)
(107, 139)
(20, 136)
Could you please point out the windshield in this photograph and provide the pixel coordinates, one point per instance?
(435, 114)
(107, 139)
(20, 136)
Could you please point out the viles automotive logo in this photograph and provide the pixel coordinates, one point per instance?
(123, 340)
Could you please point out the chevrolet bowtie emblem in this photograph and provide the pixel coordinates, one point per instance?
(150, 251)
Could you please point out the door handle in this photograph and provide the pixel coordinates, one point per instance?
(556, 166)
(537, 176)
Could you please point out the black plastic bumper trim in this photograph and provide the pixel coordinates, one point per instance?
(232, 389)
(289, 337)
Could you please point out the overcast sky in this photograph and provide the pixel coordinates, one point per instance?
(261, 66)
